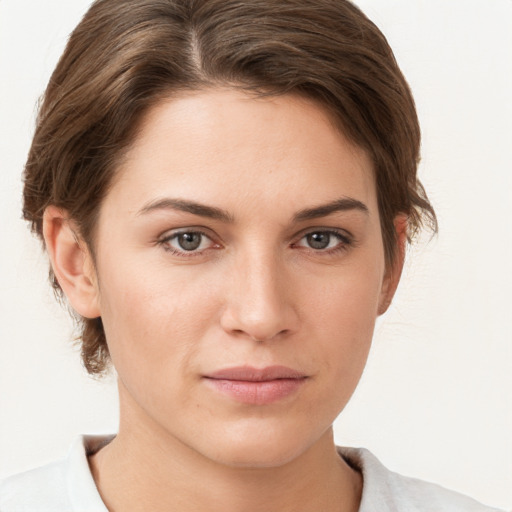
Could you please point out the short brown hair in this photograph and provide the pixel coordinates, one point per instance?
(126, 55)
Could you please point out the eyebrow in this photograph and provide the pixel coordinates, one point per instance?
(212, 212)
(339, 205)
(184, 205)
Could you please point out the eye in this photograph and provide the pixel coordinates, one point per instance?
(324, 240)
(187, 242)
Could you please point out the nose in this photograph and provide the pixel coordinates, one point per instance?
(260, 301)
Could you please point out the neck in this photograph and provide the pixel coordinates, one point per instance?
(145, 468)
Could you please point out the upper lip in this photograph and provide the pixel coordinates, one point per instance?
(250, 374)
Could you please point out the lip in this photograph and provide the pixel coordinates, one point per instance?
(257, 386)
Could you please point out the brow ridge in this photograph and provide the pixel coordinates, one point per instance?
(188, 206)
(184, 205)
(338, 205)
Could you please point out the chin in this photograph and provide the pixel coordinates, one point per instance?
(257, 455)
(258, 446)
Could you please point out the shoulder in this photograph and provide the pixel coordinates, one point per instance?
(39, 489)
(65, 485)
(388, 491)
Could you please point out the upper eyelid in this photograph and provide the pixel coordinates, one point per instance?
(335, 231)
(171, 233)
(165, 242)
(214, 238)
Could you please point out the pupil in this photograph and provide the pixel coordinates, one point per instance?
(318, 240)
(189, 241)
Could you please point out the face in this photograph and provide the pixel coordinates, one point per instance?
(240, 270)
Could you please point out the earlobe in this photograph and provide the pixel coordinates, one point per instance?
(392, 276)
(71, 262)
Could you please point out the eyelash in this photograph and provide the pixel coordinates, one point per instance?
(346, 241)
(164, 242)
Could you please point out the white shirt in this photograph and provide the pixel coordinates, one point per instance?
(68, 486)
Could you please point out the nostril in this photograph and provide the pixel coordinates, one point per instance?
(262, 339)
(259, 337)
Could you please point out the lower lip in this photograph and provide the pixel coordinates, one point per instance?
(259, 392)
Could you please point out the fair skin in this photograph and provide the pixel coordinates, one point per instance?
(239, 232)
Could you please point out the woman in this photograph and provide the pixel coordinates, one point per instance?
(225, 191)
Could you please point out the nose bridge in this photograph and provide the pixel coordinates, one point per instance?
(259, 304)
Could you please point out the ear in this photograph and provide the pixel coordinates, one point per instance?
(393, 273)
(71, 262)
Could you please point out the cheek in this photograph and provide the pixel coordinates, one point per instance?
(342, 316)
(147, 316)
(152, 334)
(347, 301)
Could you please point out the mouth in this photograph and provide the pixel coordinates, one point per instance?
(256, 386)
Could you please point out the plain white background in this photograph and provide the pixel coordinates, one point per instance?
(436, 398)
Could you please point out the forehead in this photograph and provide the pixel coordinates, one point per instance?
(225, 145)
